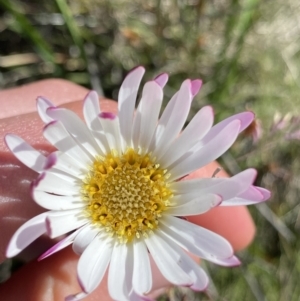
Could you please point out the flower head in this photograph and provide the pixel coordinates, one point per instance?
(116, 185)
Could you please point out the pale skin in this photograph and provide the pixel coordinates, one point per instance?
(55, 277)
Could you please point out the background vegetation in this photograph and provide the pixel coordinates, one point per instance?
(246, 51)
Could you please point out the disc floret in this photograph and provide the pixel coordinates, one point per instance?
(126, 194)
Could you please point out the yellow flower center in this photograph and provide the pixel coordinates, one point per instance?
(126, 194)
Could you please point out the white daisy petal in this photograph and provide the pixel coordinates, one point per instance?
(26, 234)
(68, 165)
(59, 246)
(118, 269)
(206, 240)
(57, 202)
(91, 111)
(162, 79)
(211, 151)
(62, 222)
(142, 275)
(57, 135)
(133, 296)
(226, 187)
(168, 130)
(195, 130)
(25, 153)
(232, 261)
(253, 195)
(266, 193)
(91, 108)
(111, 127)
(93, 263)
(186, 186)
(196, 273)
(50, 161)
(76, 297)
(196, 86)
(186, 242)
(245, 119)
(168, 260)
(76, 128)
(166, 115)
(239, 202)
(84, 238)
(64, 176)
(100, 137)
(43, 104)
(199, 276)
(126, 102)
(51, 183)
(146, 116)
(196, 206)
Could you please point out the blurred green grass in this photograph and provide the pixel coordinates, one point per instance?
(248, 55)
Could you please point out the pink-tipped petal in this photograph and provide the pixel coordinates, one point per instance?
(168, 260)
(226, 187)
(195, 272)
(196, 86)
(208, 153)
(202, 239)
(50, 161)
(245, 119)
(43, 104)
(26, 234)
(253, 195)
(25, 153)
(266, 193)
(186, 241)
(232, 261)
(77, 129)
(146, 116)
(91, 108)
(162, 79)
(56, 133)
(172, 120)
(195, 130)
(107, 115)
(91, 111)
(111, 126)
(126, 102)
(67, 165)
(59, 246)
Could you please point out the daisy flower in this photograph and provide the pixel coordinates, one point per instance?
(116, 186)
